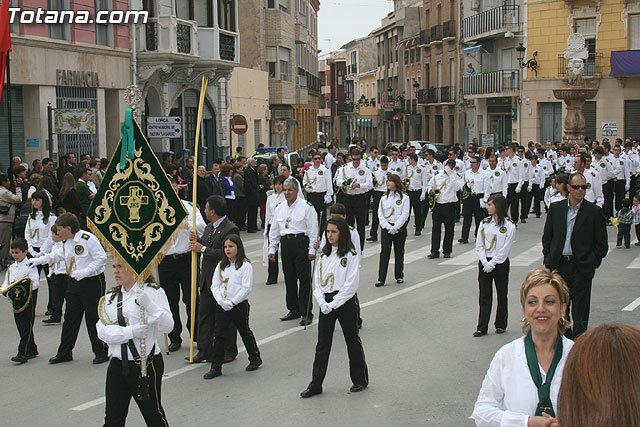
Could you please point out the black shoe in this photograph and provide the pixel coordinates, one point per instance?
(60, 359)
(19, 359)
(290, 316)
(417, 233)
(306, 320)
(523, 221)
(100, 359)
(196, 359)
(500, 330)
(32, 355)
(538, 215)
(479, 334)
(52, 321)
(310, 391)
(357, 387)
(372, 239)
(48, 313)
(463, 241)
(174, 346)
(252, 231)
(253, 365)
(447, 255)
(379, 284)
(637, 243)
(212, 374)
(433, 255)
(270, 283)
(359, 323)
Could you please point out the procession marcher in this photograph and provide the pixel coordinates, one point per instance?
(397, 165)
(393, 214)
(493, 245)
(565, 161)
(605, 168)
(523, 379)
(285, 171)
(338, 210)
(379, 177)
(594, 190)
(295, 228)
(252, 195)
(272, 201)
(85, 260)
(57, 278)
(8, 202)
(622, 173)
(476, 185)
(174, 272)
(497, 180)
(319, 187)
(231, 285)
(444, 186)
(459, 169)
(417, 182)
(336, 281)
(515, 179)
(526, 188)
(24, 314)
(431, 165)
(574, 242)
(210, 246)
(356, 180)
(123, 329)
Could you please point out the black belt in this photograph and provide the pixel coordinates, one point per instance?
(493, 194)
(293, 236)
(567, 258)
(177, 256)
(316, 192)
(478, 195)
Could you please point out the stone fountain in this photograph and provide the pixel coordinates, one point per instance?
(577, 91)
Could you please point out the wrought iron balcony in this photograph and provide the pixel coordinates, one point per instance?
(424, 37)
(493, 82)
(218, 45)
(496, 20)
(436, 33)
(592, 65)
(447, 94)
(449, 29)
(169, 34)
(437, 95)
(422, 96)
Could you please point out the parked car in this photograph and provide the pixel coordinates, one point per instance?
(265, 153)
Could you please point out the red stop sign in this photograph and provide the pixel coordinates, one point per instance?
(239, 125)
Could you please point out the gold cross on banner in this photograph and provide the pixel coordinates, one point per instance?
(134, 201)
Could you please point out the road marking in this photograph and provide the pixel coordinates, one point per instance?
(528, 257)
(285, 333)
(635, 304)
(465, 258)
(635, 264)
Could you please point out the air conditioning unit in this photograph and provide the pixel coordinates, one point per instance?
(475, 5)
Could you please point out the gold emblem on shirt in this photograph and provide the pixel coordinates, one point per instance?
(503, 229)
(343, 262)
(497, 173)
(320, 173)
(361, 172)
(398, 202)
(419, 170)
(79, 249)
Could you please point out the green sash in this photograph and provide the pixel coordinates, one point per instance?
(544, 390)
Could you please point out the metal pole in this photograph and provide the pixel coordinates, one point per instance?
(9, 116)
(50, 129)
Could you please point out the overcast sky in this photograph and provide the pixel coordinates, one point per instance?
(341, 21)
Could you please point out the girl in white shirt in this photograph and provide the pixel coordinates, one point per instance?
(393, 214)
(272, 201)
(231, 284)
(336, 281)
(493, 244)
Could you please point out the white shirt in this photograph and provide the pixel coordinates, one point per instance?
(158, 319)
(432, 168)
(355, 239)
(418, 178)
(508, 396)
(231, 284)
(55, 267)
(181, 245)
(557, 198)
(336, 273)
(566, 163)
(38, 231)
(372, 163)
(478, 182)
(318, 180)
(622, 168)
(398, 167)
(21, 270)
(379, 177)
(604, 168)
(448, 182)
(594, 193)
(494, 241)
(527, 173)
(460, 167)
(546, 166)
(497, 183)
(298, 218)
(272, 202)
(83, 255)
(329, 160)
(552, 156)
(361, 174)
(515, 171)
(393, 210)
(91, 185)
(537, 176)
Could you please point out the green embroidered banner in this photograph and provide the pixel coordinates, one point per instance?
(136, 213)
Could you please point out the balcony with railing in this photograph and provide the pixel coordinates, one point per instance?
(424, 37)
(491, 22)
(437, 95)
(449, 30)
(496, 82)
(411, 106)
(436, 33)
(422, 96)
(592, 65)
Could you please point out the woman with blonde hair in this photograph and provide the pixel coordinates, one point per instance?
(522, 383)
(601, 380)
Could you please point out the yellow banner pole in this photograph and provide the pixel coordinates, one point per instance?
(194, 256)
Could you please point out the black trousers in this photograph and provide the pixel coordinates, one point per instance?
(624, 232)
(578, 278)
(513, 199)
(608, 190)
(369, 196)
(471, 210)
(24, 322)
(443, 213)
(397, 240)
(637, 226)
(240, 215)
(416, 206)
(239, 316)
(272, 266)
(297, 269)
(317, 200)
(375, 221)
(206, 327)
(500, 277)
(425, 210)
(524, 201)
(620, 192)
(357, 212)
(534, 198)
(122, 387)
(252, 217)
(231, 211)
(175, 276)
(82, 299)
(458, 208)
(633, 187)
(347, 315)
(58, 288)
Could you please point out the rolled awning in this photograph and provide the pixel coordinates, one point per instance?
(471, 49)
(625, 63)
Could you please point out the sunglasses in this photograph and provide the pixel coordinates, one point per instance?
(316, 158)
(581, 187)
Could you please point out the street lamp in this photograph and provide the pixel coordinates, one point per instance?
(390, 94)
(416, 88)
(531, 64)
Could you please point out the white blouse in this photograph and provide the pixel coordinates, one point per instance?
(231, 284)
(508, 396)
(494, 241)
(393, 210)
(38, 231)
(337, 273)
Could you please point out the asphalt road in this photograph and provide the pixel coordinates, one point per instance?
(425, 367)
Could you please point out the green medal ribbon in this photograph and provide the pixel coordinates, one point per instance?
(126, 130)
(544, 390)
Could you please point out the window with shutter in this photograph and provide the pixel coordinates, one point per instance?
(634, 32)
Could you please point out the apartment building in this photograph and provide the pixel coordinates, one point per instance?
(332, 120)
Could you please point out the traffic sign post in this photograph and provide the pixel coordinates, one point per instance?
(239, 125)
(164, 127)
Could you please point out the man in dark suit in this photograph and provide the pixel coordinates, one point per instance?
(204, 190)
(251, 192)
(574, 242)
(215, 179)
(210, 245)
